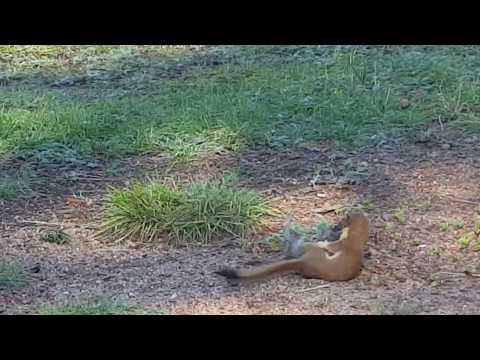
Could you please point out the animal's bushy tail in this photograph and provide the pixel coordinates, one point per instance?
(261, 271)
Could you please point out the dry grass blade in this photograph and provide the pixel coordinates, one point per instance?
(324, 286)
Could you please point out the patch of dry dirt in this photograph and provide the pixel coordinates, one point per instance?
(413, 265)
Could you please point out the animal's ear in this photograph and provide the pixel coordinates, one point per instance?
(289, 221)
(344, 234)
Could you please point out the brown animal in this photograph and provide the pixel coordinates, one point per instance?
(339, 260)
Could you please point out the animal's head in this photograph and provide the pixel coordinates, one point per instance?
(356, 226)
(292, 233)
(354, 216)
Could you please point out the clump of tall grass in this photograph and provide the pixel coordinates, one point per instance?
(12, 275)
(151, 211)
(94, 307)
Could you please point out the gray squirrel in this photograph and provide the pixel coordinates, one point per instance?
(293, 238)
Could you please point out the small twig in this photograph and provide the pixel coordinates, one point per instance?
(440, 122)
(468, 273)
(94, 178)
(328, 210)
(90, 227)
(5, 223)
(451, 197)
(382, 253)
(112, 250)
(458, 273)
(315, 288)
(33, 222)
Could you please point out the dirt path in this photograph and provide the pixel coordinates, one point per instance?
(413, 266)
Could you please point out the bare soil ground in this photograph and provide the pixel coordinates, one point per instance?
(413, 265)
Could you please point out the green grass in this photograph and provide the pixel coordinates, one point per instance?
(58, 237)
(388, 226)
(134, 98)
(400, 216)
(395, 308)
(445, 226)
(103, 307)
(465, 240)
(151, 211)
(9, 188)
(13, 185)
(47, 64)
(424, 206)
(457, 224)
(476, 228)
(12, 275)
(367, 205)
(435, 252)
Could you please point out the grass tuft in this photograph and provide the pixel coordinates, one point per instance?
(58, 237)
(13, 185)
(130, 99)
(97, 307)
(12, 275)
(204, 211)
(465, 240)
